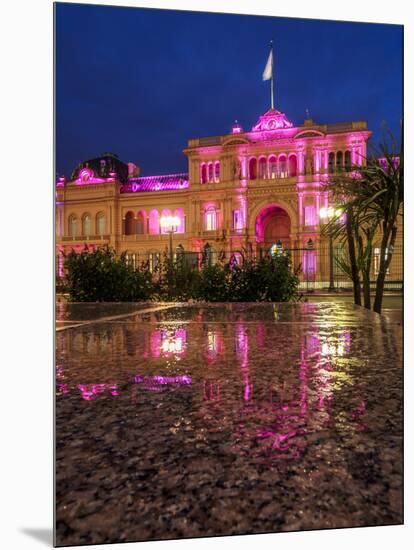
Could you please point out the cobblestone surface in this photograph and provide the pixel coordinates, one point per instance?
(226, 419)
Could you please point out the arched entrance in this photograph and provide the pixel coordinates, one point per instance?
(273, 225)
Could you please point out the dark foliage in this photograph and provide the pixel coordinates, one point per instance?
(100, 276)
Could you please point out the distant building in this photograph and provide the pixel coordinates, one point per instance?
(246, 192)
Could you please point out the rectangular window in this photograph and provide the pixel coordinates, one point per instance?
(237, 220)
(309, 264)
(211, 220)
(217, 172)
(310, 216)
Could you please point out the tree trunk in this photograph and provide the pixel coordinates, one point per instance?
(384, 264)
(352, 258)
(365, 258)
(366, 289)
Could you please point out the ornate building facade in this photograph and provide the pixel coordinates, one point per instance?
(245, 192)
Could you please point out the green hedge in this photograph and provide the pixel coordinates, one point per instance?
(99, 275)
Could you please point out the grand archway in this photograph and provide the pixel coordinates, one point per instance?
(273, 225)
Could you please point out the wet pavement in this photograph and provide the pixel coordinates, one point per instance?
(184, 421)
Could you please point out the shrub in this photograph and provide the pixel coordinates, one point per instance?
(99, 276)
(214, 283)
(269, 279)
(178, 281)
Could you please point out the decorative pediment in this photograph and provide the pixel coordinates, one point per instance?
(272, 120)
(309, 134)
(235, 141)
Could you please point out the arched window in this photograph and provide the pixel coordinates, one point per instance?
(331, 163)
(217, 171)
(101, 223)
(154, 222)
(179, 212)
(165, 213)
(272, 167)
(293, 166)
(73, 229)
(348, 162)
(129, 223)
(140, 223)
(211, 219)
(282, 166)
(339, 161)
(262, 168)
(210, 172)
(86, 225)
(203, 173)
(253, 169)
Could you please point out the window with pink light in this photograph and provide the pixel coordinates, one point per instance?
(293, 166)
(309, 263)
(310, 215)
(211, 219)
(253, 169)
(237, 219)
(165, 213)
(210, 172)
(283, 166)
(272, 168)
(203, 173)
(154, 222)
(262, 168)
(217, 171)
(179, 212)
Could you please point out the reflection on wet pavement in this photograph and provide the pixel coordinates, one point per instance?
(227, 419)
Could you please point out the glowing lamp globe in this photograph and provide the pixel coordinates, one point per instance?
(169, 223)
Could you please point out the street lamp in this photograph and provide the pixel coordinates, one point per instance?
(326, 214)
(169, 224)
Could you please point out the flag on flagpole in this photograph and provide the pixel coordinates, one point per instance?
(268, 72)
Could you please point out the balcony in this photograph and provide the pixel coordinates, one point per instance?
(85, 238)
(276, 180)
(147, 237)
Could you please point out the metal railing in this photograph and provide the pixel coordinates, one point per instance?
(312, 265)
(86, 238)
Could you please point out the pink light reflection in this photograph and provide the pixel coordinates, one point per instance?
(90, 392)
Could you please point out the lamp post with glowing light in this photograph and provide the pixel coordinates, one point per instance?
(326, 214)
(169, 224)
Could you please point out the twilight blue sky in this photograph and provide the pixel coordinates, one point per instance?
(141, 82)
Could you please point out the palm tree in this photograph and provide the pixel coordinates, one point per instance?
(372, 198)
(379, 200)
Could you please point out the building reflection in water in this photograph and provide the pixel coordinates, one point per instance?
(242, 353)
(214, 345)
(289, 404)
(167, 343)
(89, 392)
(156, 383)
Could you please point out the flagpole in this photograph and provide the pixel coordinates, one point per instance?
(272, 99)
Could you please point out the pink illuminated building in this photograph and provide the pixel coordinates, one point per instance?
(245, 192)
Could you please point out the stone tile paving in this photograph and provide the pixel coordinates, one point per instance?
(78, 313)
(227, 419)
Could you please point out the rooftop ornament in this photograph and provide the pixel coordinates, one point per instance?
(272, 120)
(236, 128)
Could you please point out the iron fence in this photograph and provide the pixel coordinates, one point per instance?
(312, 265)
